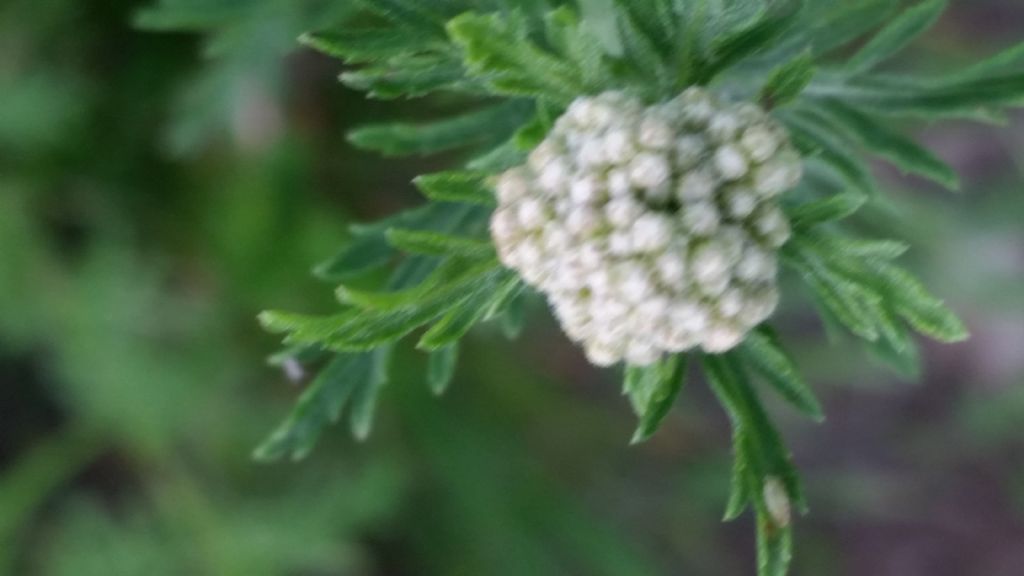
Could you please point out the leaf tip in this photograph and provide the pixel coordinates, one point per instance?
(271, 321)
(639, 437)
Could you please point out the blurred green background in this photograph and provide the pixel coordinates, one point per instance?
(169, 169)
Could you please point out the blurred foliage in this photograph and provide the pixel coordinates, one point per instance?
(127, 283)
(157, 190)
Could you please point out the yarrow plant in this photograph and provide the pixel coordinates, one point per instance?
(650, 167)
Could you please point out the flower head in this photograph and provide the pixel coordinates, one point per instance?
(651, 230)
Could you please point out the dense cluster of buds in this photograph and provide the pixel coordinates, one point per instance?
(651, 230)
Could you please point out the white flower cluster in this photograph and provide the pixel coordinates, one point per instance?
(651, 229)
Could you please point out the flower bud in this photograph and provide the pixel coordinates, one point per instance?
(651, 230)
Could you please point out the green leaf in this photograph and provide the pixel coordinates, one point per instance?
(368, 249)
(374, 328)
(896, 35)
(764, 354)
(441, 368)
(320, 405)
(774, 547)
(857, 282)
(501, 158)
(835, 24)
(1007, 62)
(654, 20)
(426, 275)
(599, 20)
(898, 350)
(364, 398)
(878, 138)
(739, 495)
(303, 328)
(765, 456)
(408, 293)
(303, 355)
(914, 303)
(369, 44)
(533, 132)
(499, 52)
(477, 307)
(843, 247)
(487, 126)
(578, 45)
(923, 98)
(513, 317)
(454, 186)
(642, 57)
(847, 300)
(409, 77)
(733, 47)
(450, 270)
(386, 316)
(815, 213)
(364, 253)
(787, 81)
(411, 15)
(437, 244)
(653, 390)
(815, 140)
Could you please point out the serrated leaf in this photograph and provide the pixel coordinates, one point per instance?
(815, 213)
(844, 247)
(362, 254)
(787, 81)
(364, 397)
(898, 350)
(500, 53)
(728, 49)
(836, 24)
(448, 271)
(410, 14)
(878, 138)
(304, 328)
(689, 48)
(923, 98)
(896, 35)
(487, 126)
(409, 77)
(642, 57)
(655, 20)
(302, 355)
(369, 44)
(578, 45)
(764, 354)
(653, 391)
(739, 495)
(473, 309)
(368, 249)
(598, 18)
(914, 303)
(320, 405)
(838, 154)
(766, 456)
(441, 367)
(455, 186)
(847, 300)
(374, 328)
(438, 244)
(1007, 62)
(500, 158)
(513, 317)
